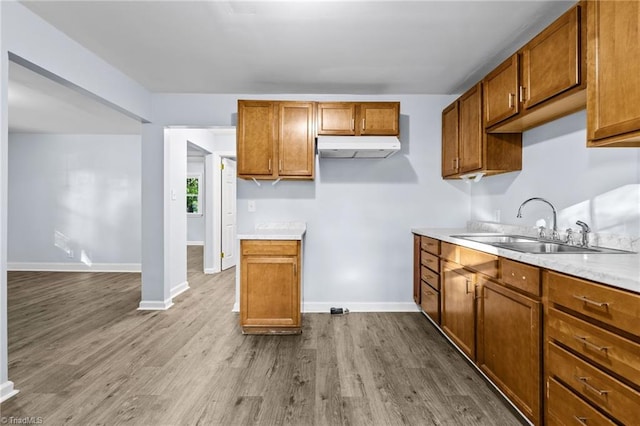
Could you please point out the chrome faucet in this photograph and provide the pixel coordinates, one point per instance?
(584, 232)
(554, 235)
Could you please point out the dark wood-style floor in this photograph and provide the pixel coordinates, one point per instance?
(80, 353)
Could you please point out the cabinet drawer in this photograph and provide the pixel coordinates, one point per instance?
(521, 276)
(473, 259)
(430, 277)
(565, 408)
(431, 302)
(611, 306)
(619, 355)
(597, 387)
(269, 247)
(430, 244)
(430, 261)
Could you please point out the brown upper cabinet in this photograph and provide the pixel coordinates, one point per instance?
(544, 81)
(359, 118)
(467, 148)
(275, 139)
(613, 105)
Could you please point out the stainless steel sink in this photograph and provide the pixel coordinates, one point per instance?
(532, 245)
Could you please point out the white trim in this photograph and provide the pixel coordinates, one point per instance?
(236, 307)
(74, 267)
(179, 289)
(210, 271)
(7, 391)
(154, 305)
(324, 307)
(195, 243)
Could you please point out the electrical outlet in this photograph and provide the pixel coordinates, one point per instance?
(251, 205)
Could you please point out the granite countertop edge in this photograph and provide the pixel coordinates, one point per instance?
(616, 270)
(275, 231)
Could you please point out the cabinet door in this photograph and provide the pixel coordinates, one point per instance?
(551, 61)
(509, 345)
(458, 307)
(256, 132)
(296, 150)
(471, 130)
(269, 291)
(613, 109)
(501, 92)
(450, 140)
(379, 118)
(337, 118)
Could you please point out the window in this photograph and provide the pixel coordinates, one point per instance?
(194, 205)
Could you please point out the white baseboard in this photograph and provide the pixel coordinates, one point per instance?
(73, 267)
(236, 307)
(153, 305)
(7, 391)
(211, 271)
(179, 289)
(324, 307)
(195, 243)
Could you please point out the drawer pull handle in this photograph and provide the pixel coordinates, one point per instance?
(589, 386)
(586, 300)
(581, 420)
(585, 341)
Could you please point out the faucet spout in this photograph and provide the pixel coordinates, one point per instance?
(553, 209)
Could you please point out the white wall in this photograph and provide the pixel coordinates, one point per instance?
(74, 202)
(195, 223)
(600, 186)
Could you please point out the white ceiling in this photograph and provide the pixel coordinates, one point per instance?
(309, 47)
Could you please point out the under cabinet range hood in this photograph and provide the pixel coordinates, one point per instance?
(358, 146)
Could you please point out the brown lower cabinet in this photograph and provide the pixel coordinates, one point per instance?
(270, 287)
(459, 307)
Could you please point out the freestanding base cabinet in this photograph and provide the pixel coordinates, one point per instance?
(270, 287)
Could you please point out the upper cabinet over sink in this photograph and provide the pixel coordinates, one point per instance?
(359, 118)
(543, 81)
(613, 105)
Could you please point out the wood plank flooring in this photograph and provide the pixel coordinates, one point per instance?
(81, 354)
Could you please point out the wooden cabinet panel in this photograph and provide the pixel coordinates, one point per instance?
(275, 139)
(519, 275)
(431, 302)
(430, 244)
(613, 110)
(501, 92)
(336, 118)
(296, 148)
(617, 399)
(566, 409)
(359, 118)
(270, 287)
(379, 118)
(551, 61)
(256, 132)
(617, 308)
(611, 351)
(417, 292)
(475, 260)
(509, 345)
(450, 139)
(471, 132)
(458, 307)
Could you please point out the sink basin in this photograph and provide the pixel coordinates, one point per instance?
(531, 245)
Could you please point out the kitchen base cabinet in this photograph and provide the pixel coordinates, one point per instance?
(426, 275)
(270, 287)
(509, 345)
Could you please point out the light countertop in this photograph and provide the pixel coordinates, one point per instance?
(617, 270)
(275, 231)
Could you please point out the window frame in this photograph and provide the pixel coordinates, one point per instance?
(197, 176)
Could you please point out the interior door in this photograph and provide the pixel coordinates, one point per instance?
(228, 220)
